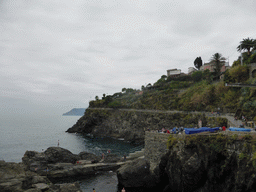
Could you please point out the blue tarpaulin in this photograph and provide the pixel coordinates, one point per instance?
(199, 130)
(239, 129)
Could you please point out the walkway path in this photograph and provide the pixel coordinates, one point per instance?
(233, 122)
(230, 117)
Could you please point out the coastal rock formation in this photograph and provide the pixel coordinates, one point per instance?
(38, 161)
(60, 155)
(131, 124)
(208, 163)
(14, 177)
(89, 157)
(75, 112)
(57, 162)
(136, 174)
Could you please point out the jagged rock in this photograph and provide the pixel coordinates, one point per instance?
(57, 162)
(85, 124)
(12, 176)
(38, 162)
(41, 186)
(34, 161)
(39, 179)
(89, 157)
(15, 178)
(11, 170)
(58, 154)
(190, 168)
(135, 174)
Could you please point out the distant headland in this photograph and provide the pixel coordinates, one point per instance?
(75, 112)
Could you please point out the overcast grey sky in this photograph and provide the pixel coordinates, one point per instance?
(60, 54)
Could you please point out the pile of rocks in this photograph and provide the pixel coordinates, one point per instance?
(57, 162)
(14, 177)
(37, 169)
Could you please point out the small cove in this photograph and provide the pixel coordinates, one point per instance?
(21, 133)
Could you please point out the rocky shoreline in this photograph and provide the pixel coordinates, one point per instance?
(38, 170)
(15, 177)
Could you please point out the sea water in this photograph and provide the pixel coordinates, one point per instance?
(19, 133)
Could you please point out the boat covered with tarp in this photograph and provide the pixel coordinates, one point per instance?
(239, 129)
(200, 130)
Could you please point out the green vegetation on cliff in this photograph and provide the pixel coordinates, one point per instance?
(184, 94)
(200, 91)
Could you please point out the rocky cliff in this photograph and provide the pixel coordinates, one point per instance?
(209, 163)
(200, 163)
(131, 124)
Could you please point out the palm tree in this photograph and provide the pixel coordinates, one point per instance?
(254, 46)
(247, 44)
(218, 61)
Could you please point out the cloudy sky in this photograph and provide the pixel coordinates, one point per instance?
(60, 54)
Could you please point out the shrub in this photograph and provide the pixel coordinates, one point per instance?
(171, 141)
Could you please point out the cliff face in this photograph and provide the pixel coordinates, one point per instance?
(131, 124)
(209, 164)
(111, 123)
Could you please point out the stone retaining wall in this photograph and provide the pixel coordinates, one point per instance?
(155, 147)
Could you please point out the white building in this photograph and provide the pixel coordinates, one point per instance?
(173, 72)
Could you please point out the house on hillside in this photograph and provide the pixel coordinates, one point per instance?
(210, 66)
(174, 73)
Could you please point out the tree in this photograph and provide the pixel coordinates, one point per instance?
(129, 90)
(238, 74)
(198, 62)
(237, 62)
(218, 61)
(197, 76)
(161, 81)
(107, 99)
(207, 75)
(124, 89)
(149, 85)
(96, 98)
(164, 77)
(247, 44)
(252, 58)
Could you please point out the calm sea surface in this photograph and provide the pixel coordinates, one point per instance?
(20, 133)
